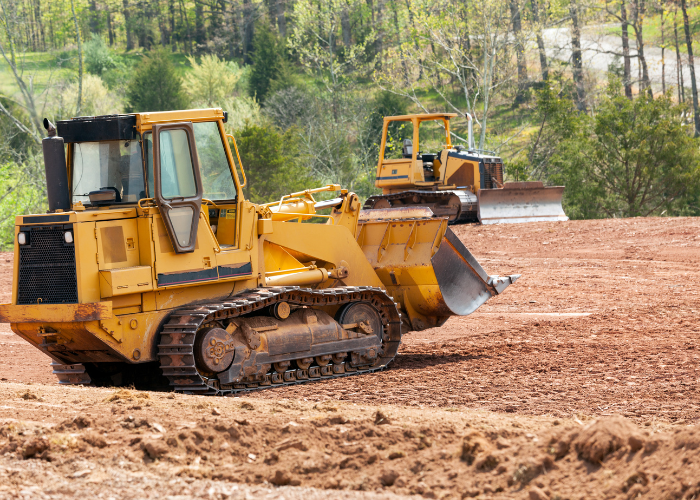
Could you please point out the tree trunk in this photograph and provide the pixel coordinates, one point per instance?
(127, 26)
(380, 31)
(663, 56)
(399, 40)
(639, 12)
(80, 61)
(691, 63)
(110, 27)
(94, 19)
(540, 41)
(282, 18)
(31, 23)
(248, 29)
(199, 34)
(415, 42)
(345, 26)
(519, 49)
(171, 11)
(679, 63)
(627, 77)
(185, 21)
(40, 23)
(576, 58)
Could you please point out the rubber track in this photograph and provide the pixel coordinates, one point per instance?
(176, 350)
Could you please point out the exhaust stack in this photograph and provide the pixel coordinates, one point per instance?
(56, 172)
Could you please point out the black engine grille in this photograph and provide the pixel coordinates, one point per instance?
(47, 267)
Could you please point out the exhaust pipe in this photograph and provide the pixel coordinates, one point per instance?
(470, 137)
(57, 189)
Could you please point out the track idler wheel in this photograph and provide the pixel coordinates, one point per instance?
(382, 203)
(361, 316)
(210, 352)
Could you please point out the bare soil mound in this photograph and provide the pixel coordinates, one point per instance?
(339, 446)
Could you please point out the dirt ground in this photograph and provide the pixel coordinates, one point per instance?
(519, 400)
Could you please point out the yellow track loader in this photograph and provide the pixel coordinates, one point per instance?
(151, 268)
(461, 184)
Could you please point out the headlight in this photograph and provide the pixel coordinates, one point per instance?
(22, 238)
(68, 237)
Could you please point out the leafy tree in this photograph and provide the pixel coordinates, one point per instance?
(268, 62)
(98, 57)
(272, 163)
(644, 158)
(155, 85)
(633, 158)
(211, 80)
(319, 28)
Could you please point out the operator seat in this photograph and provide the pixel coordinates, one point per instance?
(407, 148)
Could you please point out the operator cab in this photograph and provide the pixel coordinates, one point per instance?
(110, 165)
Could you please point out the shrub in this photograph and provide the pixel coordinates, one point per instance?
(155, 85)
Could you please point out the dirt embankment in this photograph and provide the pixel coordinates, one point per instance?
(158, 444)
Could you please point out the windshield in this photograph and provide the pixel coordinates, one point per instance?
(217, 180)
(108, 164)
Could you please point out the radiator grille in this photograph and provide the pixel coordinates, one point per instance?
(493, 174)
(47, 267)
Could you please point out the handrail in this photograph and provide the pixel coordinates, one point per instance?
(152, 200)
(307, 193)
(240, 163)
(211, 231)
(291, 216)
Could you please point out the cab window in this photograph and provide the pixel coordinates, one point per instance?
(216, 175)
(112, 165)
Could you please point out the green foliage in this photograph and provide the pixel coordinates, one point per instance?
(97, 56)
(385, 103)
(22, 191)
(272, 163)
(211, 80)
(323, 49)
(632, 158)
(155, 85)
(268, 62)
(645, 160)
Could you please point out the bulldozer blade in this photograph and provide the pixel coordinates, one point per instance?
(521, 202)
(425, 267)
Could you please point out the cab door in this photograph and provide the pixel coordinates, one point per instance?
(178, 186)
(185, 250)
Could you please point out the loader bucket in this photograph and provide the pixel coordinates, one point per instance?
(425, 267)
(521, 202)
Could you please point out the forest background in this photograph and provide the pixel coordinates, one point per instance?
(600, 96)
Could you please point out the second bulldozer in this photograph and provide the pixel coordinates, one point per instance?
(455, 182)
(152, 267)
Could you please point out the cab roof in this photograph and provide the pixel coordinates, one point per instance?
(421, 117)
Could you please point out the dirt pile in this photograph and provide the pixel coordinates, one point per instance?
(342, 447)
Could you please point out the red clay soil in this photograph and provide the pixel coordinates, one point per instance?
(127, 444)
(604, 321)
